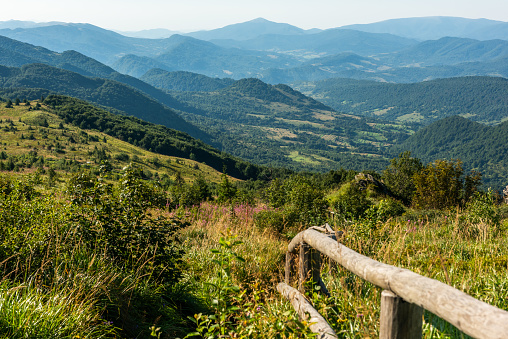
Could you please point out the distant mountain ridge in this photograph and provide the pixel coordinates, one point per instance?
(248, 30)
(432, 28)
(282, 53)
(184, 81)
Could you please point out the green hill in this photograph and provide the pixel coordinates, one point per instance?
(104, 92)
(278, 126)
(479, 147)
(184, 81)
(49, 137)
(481, 99)
(18, 54)
(148, 136)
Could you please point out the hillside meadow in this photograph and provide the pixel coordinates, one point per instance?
(116, 265)
(100, 240)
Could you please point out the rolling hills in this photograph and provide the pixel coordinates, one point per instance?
(281, 53)
(37, 138)
(277, 125)
(64, 110)
(482, 99)
(104, 92)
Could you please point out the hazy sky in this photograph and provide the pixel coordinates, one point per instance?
(191, 15)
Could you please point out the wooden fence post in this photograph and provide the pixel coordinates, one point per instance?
(399, 319)
(309, 266)
(287, 269)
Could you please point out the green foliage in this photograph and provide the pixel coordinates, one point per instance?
(398, 176)
(441, 185)
(300, 199)
(350, 202)
(117, 220)
(185, 195)
(479, 147)
(226, 191)
(481, 218)
(277, 220)
(234, 313)
(384, 210)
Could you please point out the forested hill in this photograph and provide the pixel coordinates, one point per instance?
(151, 137)
(481, 99)
(16, 54)
(184, 81)
(278, 126)
(255, 88)
(104, 92)
(482, 148)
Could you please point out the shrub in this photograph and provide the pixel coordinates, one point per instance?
(276, 220)
(398, 176)
(482, 217)
(350, 203)
(300, 198)
(440, 185)
(117, 220)
(384, 210)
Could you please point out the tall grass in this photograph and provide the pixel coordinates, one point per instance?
(446, 246)
(56, 285)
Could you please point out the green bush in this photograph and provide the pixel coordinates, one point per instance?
(384, 210)
(301, 199)
(482, 217)
(276, 220)
(117, 221)
(350, 203)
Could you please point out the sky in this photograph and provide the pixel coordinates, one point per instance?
(193, 15)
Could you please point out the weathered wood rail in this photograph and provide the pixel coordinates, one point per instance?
(405, 293)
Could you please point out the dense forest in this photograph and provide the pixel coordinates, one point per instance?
(482, 99)
(481, 148)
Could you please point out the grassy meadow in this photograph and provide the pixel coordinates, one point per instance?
(103, 247)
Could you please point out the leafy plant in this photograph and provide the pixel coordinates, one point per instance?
(441, 185)
(398, 176)
(117, 220)
(350, 203)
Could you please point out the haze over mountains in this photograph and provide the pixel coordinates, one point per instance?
(357, 92)
(392, 51)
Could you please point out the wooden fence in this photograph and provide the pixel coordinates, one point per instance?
(405, 294)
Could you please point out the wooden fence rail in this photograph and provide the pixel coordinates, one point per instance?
(405, 293)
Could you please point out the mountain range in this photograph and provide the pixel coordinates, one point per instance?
(229, 87)
(405, 50)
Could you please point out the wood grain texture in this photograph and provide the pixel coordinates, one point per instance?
(473, 317)
(307, 312)
(287, 269)
(399, 319)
